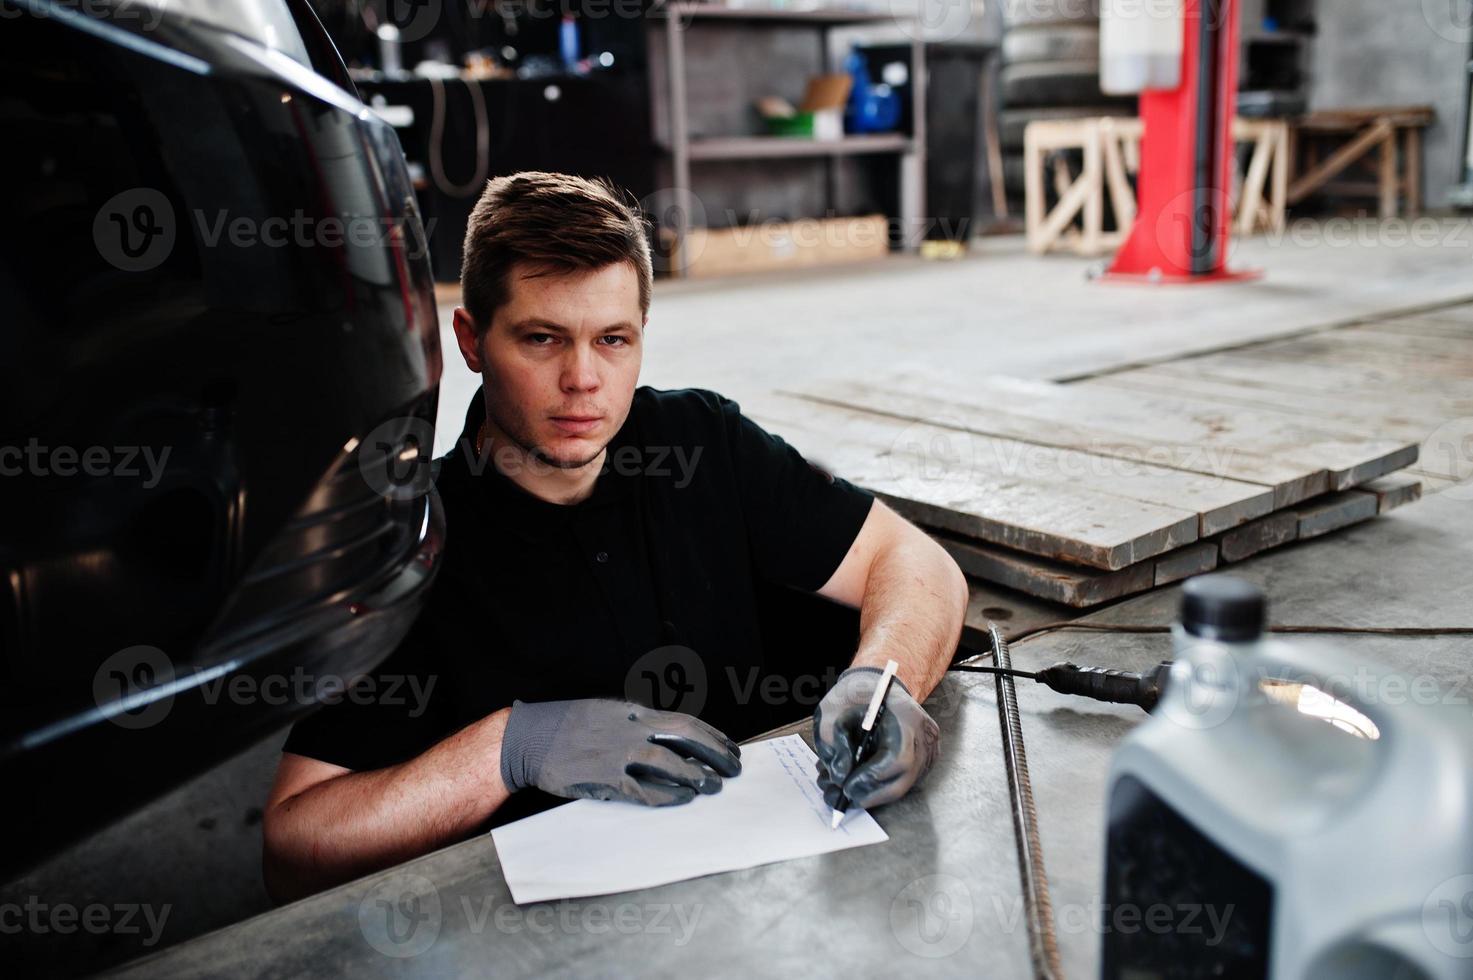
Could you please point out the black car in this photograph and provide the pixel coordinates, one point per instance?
(219, 363)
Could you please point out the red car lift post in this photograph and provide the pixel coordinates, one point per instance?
(1184, 215)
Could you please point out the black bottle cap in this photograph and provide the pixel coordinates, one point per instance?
(1222, 607)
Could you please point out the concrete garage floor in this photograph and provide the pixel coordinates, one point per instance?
(196, 852)
(1003, 311)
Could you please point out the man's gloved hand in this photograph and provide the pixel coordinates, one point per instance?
(604, 749)
(904, 749)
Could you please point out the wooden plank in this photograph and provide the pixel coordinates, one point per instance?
(1393, 491)
(1231, 488)
(1031, 498)
(1462, 313)
(1194, 559)
(1080, 587)
(1334, 511)
(1339, 160)
(1425, 326)
(1367, 337)
(1436, 427)
(1406, 417)
(1371, 349)
(1055, 581)
(1260, 535)
(1298, 461)
(1386, 175)
(1381, 377)
(1412, 167)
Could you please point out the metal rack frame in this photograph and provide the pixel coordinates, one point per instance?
(910, 150)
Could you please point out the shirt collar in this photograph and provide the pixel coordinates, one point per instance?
(612, 485)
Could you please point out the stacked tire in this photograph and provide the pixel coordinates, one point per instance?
(1051, 70)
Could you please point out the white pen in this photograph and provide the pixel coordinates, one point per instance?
(866, 741)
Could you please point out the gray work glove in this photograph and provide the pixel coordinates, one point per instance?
(604, 749)
(905, 745)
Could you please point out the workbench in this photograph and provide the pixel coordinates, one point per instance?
(942, 897)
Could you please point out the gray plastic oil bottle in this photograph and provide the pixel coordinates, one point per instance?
(1289, 810)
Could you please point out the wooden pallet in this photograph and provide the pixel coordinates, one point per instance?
(1090, 491)
(1409, 378)
(1109, 147)
(1273, 449)
(1079, 587)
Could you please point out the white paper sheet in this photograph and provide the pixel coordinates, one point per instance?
(772, 812)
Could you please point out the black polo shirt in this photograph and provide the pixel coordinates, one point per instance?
(648, 589)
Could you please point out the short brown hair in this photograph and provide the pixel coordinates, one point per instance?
(558, 222)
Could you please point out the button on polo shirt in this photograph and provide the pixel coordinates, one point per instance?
(651, 579)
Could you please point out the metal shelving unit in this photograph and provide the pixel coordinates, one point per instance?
(909, 150)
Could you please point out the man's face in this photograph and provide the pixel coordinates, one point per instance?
(561, 360)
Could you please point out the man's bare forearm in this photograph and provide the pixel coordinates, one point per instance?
(914, 603)
(357, 822)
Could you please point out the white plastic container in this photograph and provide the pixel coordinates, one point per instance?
(1320, 803)
(1141, 44)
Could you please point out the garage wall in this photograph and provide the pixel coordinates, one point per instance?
(1371, 52)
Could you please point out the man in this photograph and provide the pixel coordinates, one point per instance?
(592, 525)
